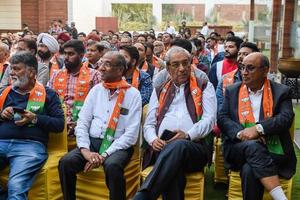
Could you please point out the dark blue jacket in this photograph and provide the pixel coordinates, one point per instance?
(51, 119)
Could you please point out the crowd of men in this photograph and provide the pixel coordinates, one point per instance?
(195, 87)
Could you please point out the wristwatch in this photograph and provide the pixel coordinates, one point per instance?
(104, 155)
(34, 120)
(260, 129)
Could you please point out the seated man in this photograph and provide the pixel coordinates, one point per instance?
(106, 131)
(142, 62)
(137, 78)
(234, 76)
(94, 51)
(185, 106)
(74, 81)
(4, 56)
(29, 111)
(255, 119)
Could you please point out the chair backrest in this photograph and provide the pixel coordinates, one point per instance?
(58, 142)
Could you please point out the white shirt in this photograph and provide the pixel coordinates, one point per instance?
(170, 30)
(177, 117)
(255, 99)
(95, 114)
(205, 30)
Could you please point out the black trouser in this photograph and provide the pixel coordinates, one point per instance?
(168, 174)
(74, 162)
(255, 162)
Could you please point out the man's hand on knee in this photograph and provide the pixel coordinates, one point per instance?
(94, 158)
(249, 134)
(158, 144)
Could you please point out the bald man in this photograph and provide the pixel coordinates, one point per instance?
(255, 119)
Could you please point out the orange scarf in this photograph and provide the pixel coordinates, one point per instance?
(81, 89)
(36, 101)
(228, 79)
(145, 66)
(113, 121)
(195, 91)
(246, 116)
(54, 65)
(135, 78)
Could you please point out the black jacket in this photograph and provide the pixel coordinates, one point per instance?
(279, 124)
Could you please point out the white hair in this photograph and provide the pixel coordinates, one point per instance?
(174, 50)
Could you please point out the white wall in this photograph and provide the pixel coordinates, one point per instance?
(10, 14)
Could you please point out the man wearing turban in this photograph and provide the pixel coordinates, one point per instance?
(47, 52)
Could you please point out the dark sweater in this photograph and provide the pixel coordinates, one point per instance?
(51, 119)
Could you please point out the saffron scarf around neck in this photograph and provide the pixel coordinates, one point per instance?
(114, 118)
(246, 116)
(81, 89)
(228, 79)
(135, 78)
(145, 66)
(54, 65)
(196, 93)
(36, 100)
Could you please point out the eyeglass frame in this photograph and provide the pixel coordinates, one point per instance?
(249, 68)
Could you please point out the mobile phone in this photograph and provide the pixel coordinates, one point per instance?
(18, 110)
(167, 134)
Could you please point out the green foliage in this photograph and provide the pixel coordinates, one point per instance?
(169, 14)
(134, 17)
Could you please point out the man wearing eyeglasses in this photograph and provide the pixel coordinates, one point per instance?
(234, 76)
(255, 119)
(180, 117)
(106, 131)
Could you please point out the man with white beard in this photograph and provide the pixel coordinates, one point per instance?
(29, 111)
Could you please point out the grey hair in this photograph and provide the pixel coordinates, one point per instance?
(26, 58)
(119, 59)
(4, 46)
(174, 50)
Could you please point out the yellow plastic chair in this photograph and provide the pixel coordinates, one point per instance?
(46, 184)
(235, 188)
(91, 185)
(221, 174)
(194, 189)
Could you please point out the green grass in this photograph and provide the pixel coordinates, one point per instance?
(212, 192)
(297, 113)
(218, 193)
(296, 179)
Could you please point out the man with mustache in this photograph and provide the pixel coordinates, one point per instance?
(73, 82)
(94, 51)
(255, 119)
(185, 106)
(29, 45)
(142, 63)
(47, 52)
(229, 63)
(4, 56)
(106, 131)
(134, 76)
(29, 111)
(234, 76)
